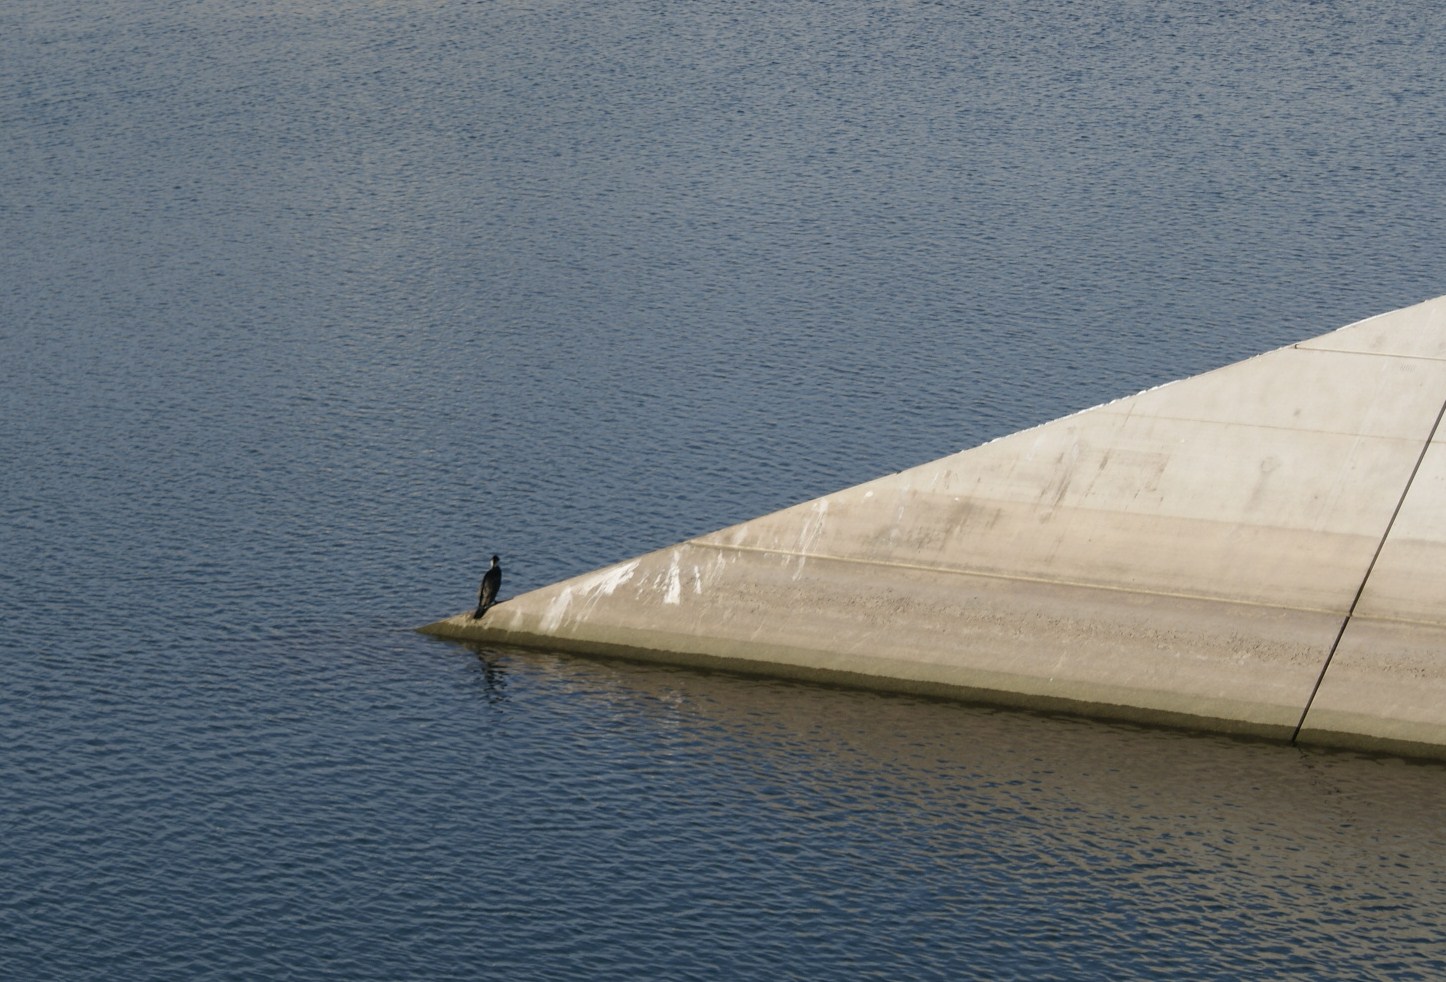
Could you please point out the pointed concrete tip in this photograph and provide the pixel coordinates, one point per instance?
(449, 627)
(1260, 549)
(463, 626)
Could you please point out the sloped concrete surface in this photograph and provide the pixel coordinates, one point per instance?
(1190, 555)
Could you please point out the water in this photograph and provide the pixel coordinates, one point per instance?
(307, 308)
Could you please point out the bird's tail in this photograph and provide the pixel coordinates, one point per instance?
(477, 614)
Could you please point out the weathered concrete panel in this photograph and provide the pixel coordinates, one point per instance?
(1260, 482)
(1094, 500)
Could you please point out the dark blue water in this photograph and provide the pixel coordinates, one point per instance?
(307, 308)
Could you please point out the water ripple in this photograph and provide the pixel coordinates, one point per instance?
(305, 308)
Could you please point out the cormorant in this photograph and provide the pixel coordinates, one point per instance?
(487, 594)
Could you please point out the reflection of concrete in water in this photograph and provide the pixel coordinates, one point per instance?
(1077, 778)
(1082, 835)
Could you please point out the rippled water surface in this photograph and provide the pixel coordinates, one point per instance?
(306, 308)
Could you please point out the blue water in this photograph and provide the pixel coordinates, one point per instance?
(307, 308)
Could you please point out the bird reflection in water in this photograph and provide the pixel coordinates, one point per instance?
(494, 677)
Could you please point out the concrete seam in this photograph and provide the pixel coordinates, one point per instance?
(1370, 568)
(1225, 423)
(1307, 346)
(1011, 577)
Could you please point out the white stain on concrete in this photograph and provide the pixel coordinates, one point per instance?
(813, 525)
(605, 582)
(586, 591)
(556, 610)
(808, 533)
(674, 592)
(705, 573)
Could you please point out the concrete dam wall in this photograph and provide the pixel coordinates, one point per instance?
(1260, 549)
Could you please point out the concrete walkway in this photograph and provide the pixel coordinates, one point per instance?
(1260, 549)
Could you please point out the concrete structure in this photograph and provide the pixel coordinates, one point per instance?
(1260, 549)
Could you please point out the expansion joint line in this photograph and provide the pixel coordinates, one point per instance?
(1370, 568)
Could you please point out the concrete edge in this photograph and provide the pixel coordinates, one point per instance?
(1363, 743)
(784, 663)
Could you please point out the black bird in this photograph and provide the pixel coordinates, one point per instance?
(487, 594)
